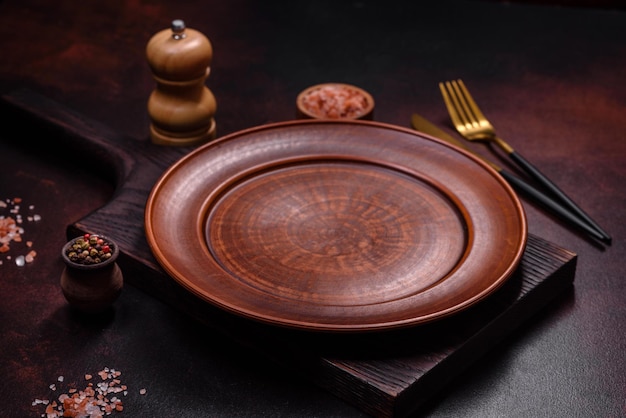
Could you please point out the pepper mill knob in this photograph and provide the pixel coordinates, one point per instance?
(181, 107)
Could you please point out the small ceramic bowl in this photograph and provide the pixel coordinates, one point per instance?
(334, 101)
(91, 287)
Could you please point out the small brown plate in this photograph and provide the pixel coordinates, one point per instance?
(340, 226)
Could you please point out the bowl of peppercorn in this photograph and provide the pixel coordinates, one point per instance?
(91, 280)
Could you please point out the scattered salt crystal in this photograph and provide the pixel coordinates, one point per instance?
(12, 231)
(53, 387)
(94, 401)
(142, 391)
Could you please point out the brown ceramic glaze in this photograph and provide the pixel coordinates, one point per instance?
(91, 288)
(335, 226)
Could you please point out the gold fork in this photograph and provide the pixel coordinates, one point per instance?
(470, 122)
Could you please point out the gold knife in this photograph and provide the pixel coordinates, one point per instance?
(421, 124)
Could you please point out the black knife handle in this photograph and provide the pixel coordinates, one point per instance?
(549, 203)
(558, 193)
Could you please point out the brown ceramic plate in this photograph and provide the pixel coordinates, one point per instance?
(340, 226)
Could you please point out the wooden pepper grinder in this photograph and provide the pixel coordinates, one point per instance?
(181, 108)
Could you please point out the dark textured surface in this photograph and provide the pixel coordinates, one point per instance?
(385, 374)
(542, 74)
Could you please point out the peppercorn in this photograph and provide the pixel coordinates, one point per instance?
(89, 249)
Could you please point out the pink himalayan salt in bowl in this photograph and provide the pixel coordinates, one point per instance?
(335, 101)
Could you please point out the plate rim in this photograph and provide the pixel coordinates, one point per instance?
(402, 323)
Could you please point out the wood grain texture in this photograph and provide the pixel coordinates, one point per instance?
(385, 374)
(181, 107)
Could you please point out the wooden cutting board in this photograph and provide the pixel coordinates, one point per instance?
(385, 373)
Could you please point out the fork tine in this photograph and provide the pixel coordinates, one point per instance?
(465, 119)
(462, 105)
(472, 107)
(452, 108)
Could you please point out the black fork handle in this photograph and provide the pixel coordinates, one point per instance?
(558, 193)
(552, 205)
